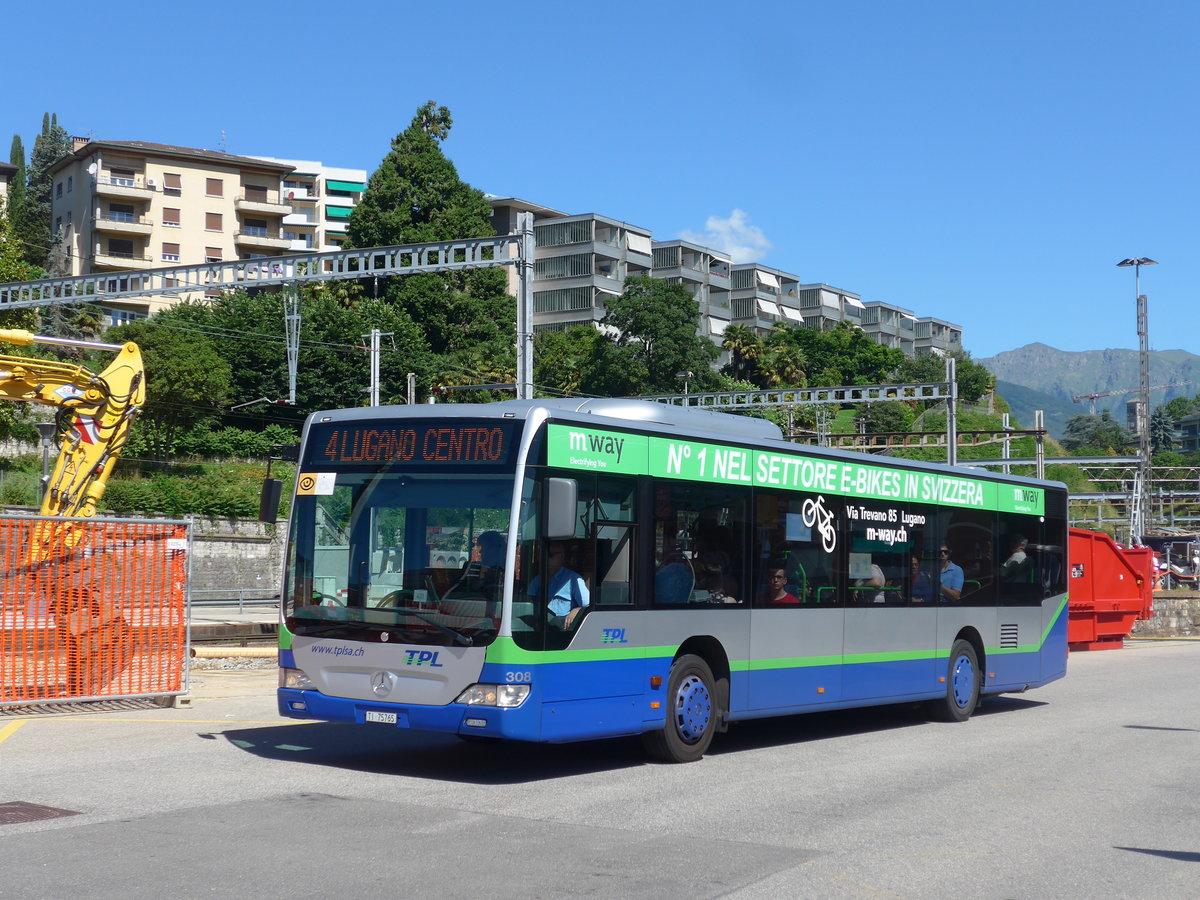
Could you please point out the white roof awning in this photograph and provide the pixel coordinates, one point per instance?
(850, 301)
(793, 314)
(717, 326)
(768, 307)
(638, 243)
(766, 278)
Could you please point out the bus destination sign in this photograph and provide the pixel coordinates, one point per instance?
(414, 443)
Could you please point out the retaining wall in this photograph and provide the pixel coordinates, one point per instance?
(1175, 615)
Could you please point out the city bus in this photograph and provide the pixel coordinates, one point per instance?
(568, 570)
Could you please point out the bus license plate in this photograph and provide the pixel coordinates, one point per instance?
(387, 718)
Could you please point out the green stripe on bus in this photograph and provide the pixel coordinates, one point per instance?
(593, 450)
(504, 651)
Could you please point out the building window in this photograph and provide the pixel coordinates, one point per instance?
(170, 217)
(212, 254)
(70, 183)
(255, 227)
(120, 248)
(170, 252)
(172, 183)
(124, 316)
(256, 193)
(122, 177)
(213, 187)
(58, 189)
(212, 221)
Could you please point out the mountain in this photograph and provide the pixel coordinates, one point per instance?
(1038, 376)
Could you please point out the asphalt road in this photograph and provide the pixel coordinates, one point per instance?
(1085, 788)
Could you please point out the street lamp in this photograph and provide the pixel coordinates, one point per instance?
(685, 377)
(1137, 520)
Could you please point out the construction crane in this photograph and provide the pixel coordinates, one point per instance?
(1094, 397)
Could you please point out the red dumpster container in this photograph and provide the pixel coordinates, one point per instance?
(1111, 588)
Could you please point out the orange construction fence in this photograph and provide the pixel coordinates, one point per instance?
(91, 608)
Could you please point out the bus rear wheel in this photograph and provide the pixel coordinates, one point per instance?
(962, 686)
(692, 713)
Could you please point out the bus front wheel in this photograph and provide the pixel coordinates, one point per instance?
(692, 713)
(962, 686)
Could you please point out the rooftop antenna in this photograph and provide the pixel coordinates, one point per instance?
(224, 143)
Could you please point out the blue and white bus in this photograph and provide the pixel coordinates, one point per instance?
(713, 573)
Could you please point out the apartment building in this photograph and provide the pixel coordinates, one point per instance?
(583, 259)
(705, 273)
(890, 325)
(761, 297)
(936, 336)
(321, 199)
(7, 173)
(126, 205)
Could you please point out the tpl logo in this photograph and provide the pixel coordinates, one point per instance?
(614, 636)
(422, 658)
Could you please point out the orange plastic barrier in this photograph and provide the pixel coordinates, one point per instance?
(102, 614)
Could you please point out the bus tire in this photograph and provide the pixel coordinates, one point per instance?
(692, 713)
(962, 686)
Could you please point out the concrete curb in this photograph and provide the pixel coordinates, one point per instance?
(233, 652)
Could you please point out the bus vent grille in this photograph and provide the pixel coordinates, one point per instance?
(1008, 636)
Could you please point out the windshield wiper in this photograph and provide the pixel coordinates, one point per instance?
(463, 640)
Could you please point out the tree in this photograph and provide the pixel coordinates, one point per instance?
(14, 268)
(32, 218)
(744, 347)
(187, 382)
(1178, 407)
(563, 360)
(416, 196)
(1102, 434)
(1162, 431)
(655, 337)
(845, 355)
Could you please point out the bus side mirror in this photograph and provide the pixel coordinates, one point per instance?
(562, 497)
(268, 500)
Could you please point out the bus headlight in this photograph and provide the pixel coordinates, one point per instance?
(295, 679)
(507, 696)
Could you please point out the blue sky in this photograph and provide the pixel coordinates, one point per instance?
(986, 163)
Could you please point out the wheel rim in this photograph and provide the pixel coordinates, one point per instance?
(693, 709)
(964, 681)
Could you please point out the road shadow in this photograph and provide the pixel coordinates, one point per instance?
(442, 757)
(1180, 855)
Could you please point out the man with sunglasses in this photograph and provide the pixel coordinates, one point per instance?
(950, 578)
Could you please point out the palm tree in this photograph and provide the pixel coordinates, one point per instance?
(744, 348)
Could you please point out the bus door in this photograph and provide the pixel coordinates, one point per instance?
(891, 609)
(796, 632)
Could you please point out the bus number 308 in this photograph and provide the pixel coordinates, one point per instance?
(518, 677)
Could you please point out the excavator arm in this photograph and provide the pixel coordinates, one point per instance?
(94, 414)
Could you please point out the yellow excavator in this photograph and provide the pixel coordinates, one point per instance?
(94, 416)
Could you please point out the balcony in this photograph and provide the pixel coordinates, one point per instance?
(117, 186)
(117, 259)
(300, 219)
(261, 204)
(122, 223)
(250, 236)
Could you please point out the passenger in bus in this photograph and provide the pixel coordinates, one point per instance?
(566, 591)
(777, 593)
(950, 578)
(1016, 568)
(876, 580)
(484, 573)
(713, 567)
(920, 586)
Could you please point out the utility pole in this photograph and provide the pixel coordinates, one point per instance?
(528, 249)
(1141, 487)
(373, 351)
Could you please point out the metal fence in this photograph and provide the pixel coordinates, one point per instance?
(92, 608)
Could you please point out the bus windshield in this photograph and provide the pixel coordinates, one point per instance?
(414, 557)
